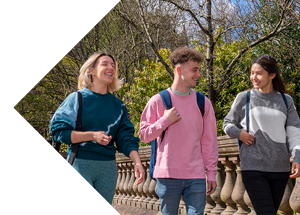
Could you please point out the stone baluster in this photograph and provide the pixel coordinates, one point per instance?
(284, 208)
(146, 186)
(295, 197)
(157, 205)
(137, 194)
(118, 193)
(126, 183)
(210, 204)
(140, 189)
(239, 189)
(228, 188)
(220, 178)
(181, 209)
(154, 196)
(249, 203)
(121, 187)
(130, 185)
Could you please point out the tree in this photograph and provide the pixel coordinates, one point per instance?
(239, 22)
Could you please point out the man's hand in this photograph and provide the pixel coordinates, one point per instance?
(211, 187)
(173, 115)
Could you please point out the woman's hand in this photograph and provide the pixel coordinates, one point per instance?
(139, 173)
(101, 137)
(247, 138)
(295, 170)
(138, 167)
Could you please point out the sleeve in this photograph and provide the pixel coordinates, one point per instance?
(293, 130)
(232, 122)
(64, 119)
(153, 121)
(126, 141)
(209, 142)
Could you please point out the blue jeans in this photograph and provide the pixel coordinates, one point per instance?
(193, 191)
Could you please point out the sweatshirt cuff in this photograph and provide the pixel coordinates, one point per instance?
(127, 151)
(164, 122)
(211, 177)
(64, 136)
(296, 157)
(233, 132)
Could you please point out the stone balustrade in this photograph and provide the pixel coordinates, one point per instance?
(229, 198)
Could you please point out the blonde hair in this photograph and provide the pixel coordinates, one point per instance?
(85, 79)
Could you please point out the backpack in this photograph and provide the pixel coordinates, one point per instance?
(247, 113)
(73, 148)
(168, 105)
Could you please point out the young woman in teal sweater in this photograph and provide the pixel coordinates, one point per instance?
(105, 126)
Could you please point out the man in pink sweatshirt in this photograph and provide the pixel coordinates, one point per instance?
(188, 154)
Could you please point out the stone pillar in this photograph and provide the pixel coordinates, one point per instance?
(239, 189)
(295, 197)
(126, 183)
(146, 186)
(216, 196)
(118, 193)
(249, 203)
(121, 187)
(182, 209)
(284, 208)
(140, 189)
(210, 204)
(154, 196)
(228, 188)
(137, 194)
(130, 185)
(157, 203)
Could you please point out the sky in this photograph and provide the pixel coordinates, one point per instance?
(34, 178)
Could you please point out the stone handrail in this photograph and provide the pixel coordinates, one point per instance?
(229, 198)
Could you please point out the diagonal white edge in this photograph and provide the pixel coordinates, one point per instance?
(35, 35)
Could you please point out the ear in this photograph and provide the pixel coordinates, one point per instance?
(178, 70)
(272, 75)
(91, 71)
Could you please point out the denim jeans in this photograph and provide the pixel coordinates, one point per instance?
(193, 192)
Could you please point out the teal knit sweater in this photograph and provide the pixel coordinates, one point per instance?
(99, 113)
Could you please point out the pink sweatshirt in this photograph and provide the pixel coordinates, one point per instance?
(189, 150)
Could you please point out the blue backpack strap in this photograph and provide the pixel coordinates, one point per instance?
(284, 99)
(201, 102)
(168, 105)
(166, 99)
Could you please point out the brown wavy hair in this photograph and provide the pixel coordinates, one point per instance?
(184, 54)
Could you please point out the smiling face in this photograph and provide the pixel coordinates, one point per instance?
(261, 79)
(104, 71)
(189, 73)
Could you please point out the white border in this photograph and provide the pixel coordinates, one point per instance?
(35, 35)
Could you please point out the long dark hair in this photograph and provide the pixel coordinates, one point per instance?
(270, 65)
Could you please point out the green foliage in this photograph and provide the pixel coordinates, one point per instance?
(237, 82)
(148, 82)
(285, 49)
